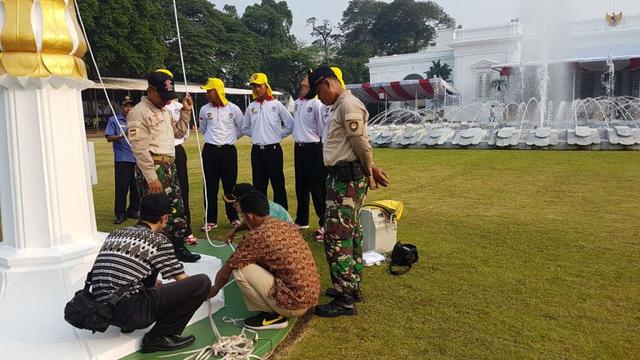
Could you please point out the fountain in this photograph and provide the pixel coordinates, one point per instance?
(545, 112)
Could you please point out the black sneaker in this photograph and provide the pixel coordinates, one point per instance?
(165, 343)
(133, 215)
(265, 321)
(342, 305)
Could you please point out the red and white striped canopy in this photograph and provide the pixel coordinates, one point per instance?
(400, 90)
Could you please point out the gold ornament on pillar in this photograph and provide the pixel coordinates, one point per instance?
(41, 38)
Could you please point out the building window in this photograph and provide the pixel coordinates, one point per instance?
(483, 85)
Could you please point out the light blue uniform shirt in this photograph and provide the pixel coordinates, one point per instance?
(121, 149)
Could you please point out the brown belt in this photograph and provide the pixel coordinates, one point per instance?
(163, 158)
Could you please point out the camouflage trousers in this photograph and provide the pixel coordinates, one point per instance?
(343, 233)
(176, 229)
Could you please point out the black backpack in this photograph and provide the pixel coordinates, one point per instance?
(83, 312)
(403, 255)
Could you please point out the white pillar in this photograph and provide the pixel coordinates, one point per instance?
(45, 192)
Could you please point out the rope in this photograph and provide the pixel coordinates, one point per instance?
(234, 347)
(95, 65)
(195, 122)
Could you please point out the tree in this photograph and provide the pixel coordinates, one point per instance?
(437, 69)
(407, 26)
(375, 28)
(326, 38)
(128, 36)
(282, 58)
(214, 44)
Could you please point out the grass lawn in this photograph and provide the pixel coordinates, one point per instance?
(523, 255)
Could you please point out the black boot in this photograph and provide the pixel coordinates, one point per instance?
(357, 294)
(165, 343)
(184, 255)
(119, 219)
(341, 305)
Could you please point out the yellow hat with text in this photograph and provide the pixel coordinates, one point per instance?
(217, 85)
(261, 78)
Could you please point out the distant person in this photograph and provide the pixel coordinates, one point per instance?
(152, 131)
(267, 122)
(221, 124)
(182, 170)
(349, 159)
(309, 168)
(124, 165)
(272, 266)
(134, 256)
(241, 190)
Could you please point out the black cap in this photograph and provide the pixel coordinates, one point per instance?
(164, 84)
(316, 77)
(155, 205)
(126, 100)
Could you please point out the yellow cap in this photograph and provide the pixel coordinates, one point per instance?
(338, 72)
(261, 78)
(165, 71)
(217, 85)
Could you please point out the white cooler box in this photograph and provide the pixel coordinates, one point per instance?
(380, 231)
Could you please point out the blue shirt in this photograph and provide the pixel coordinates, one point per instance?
(121, 150)
(278, 212)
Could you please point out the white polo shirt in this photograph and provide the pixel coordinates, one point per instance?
(327, 114)
(221, 125)
(175, 108)
(267, 122)
(307, 121)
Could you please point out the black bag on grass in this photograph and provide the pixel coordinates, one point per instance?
(403, 256)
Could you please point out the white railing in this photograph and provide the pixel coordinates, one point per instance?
(491, 32)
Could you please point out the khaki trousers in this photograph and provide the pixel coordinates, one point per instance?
(255, 283)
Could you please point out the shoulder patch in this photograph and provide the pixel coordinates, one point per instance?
(353, 126)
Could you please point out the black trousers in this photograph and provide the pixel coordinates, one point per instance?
(125, 182)
(220, 163)
(267, 165)
(310, 179)
(183, 179)
(170, 306)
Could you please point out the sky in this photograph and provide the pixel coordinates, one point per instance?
(469, 13)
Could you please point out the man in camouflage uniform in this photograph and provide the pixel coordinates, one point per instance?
(152, 131)
(348, 157)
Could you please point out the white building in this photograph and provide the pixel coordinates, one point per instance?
(481, 55)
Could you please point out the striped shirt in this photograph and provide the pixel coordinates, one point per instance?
(130, 255)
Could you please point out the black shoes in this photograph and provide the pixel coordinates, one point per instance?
(184, 255)
(120, 219)
(343, 305)
(165, 343)
(357, 294)
(265, 320)
(133, 215)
